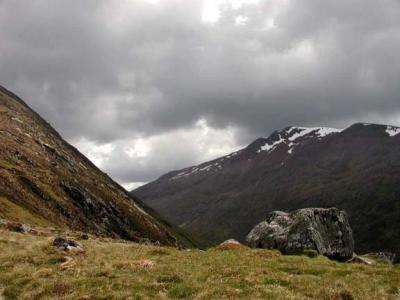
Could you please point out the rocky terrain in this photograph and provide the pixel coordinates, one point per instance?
(356, 169)
(45, 181)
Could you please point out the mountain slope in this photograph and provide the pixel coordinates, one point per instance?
(356, 169)
(46, 181)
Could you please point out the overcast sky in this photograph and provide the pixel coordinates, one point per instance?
(147, 86)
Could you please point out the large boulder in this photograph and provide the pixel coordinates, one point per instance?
(325, 230)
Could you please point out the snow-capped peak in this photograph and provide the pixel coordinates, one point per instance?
(318, 131)
(290, 135)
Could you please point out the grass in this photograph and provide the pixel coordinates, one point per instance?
(30, 268)
(17, 213)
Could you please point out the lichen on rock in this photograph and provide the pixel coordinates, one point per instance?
(324, 230)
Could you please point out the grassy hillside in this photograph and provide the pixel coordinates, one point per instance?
(30, 268)
(46, 181)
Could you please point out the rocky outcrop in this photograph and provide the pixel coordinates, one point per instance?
(325, 230)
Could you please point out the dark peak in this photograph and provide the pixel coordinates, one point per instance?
(371, 130)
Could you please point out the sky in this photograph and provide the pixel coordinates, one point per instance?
(143, 87)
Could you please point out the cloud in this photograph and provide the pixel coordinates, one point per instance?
(118, 72)
(139, 160)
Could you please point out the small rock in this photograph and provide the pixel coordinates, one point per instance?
(386, 257)
(148, 242)
(360, 260)
(18, 227)
(144, 241)
(230, 244)
(67, 245)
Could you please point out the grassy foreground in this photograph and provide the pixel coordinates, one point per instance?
(30, 268)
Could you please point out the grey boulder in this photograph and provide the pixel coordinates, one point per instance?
(67, 245)
(325, 230)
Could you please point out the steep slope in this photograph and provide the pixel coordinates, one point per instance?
(46, 181)
(356, 169)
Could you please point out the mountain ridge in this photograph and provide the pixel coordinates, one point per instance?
(355, 169)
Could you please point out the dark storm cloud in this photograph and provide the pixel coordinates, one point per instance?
(109, 71)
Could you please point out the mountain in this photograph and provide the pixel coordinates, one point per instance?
(46, 181)
(356, 169)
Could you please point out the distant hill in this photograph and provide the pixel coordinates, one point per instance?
(356, 169)
(46, 181)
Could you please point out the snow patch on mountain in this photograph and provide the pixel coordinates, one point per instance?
(213, 166)
(267, 147)
(392, 131)
(291, 135)
(319, 132)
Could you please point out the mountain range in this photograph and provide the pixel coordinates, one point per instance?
(356, 169)
(47, 182)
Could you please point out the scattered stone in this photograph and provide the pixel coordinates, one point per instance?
(144, 263)
(360, 260)
(67, 245)
(148, 242)
(2, 222)
(325, 230)
(18, 227)
(385, 257)
(230, 244)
